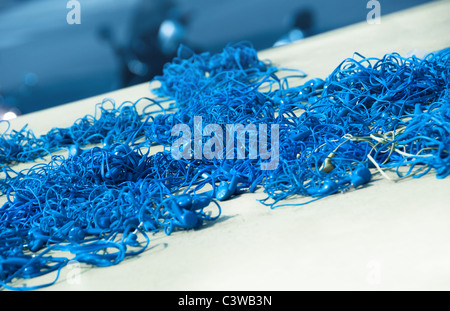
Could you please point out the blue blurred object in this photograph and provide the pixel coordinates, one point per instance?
(45, 62)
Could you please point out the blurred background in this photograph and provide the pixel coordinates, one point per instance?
(45, 61)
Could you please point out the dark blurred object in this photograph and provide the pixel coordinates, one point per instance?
(302, 27)
(156, 30)
(46, 62)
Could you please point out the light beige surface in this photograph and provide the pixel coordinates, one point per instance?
(387, 236)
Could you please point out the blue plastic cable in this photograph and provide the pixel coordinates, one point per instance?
(100, 202)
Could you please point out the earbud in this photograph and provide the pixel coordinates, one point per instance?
(184, 201)
(11, 264)
(150, 225)
(121, 149)
(16, 260)
(327, 165)
(132, 239)
(417, 109)
(200, 202)
(185, 218)
(108, 141)
(62, 137)
(311, 86)
(75, 150)
(103, 222)
(316, 83)
(300, 135)
(225, 190)
(76, 234)
(328, 187)
(35, 245)
(36, 240)
(360, 176)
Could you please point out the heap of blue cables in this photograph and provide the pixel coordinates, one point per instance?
(101, 201)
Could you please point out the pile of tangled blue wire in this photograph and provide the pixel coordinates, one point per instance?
(101, 201)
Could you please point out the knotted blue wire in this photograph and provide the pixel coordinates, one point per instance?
(391, 112)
